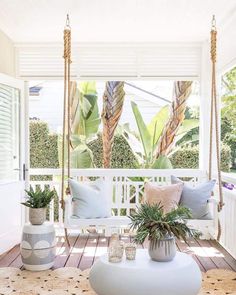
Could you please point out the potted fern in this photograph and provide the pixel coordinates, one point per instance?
(150, 222)
(37, 200)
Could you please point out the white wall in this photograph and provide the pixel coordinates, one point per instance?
(7, 55)
(227, 45)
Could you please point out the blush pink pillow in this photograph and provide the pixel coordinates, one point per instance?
(168, 195)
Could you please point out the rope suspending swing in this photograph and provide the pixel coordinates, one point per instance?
(66, 114)
(214, 117)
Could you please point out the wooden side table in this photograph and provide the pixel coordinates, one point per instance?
(38, 246)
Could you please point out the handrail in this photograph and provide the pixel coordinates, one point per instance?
(229, 177)
(119, 172)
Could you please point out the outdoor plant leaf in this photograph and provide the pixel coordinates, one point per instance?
(38, 198)
(157, 124)
(162, 163)
(145, 136)
(150, 222)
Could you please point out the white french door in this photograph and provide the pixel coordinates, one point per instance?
(13, 157)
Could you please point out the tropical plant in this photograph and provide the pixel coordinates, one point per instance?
(85, 121)
(144, 143)
(38, 198)
(113, 100)
(150, 222)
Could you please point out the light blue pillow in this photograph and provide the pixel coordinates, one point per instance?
(196, 198)
(89, 200)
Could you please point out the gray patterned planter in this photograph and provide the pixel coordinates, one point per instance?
(164, 250)
(38, 246)
(37, 216)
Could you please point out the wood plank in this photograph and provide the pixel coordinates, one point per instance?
(77, 251)
(10, 256)
(228, 258)
(102, 247)
(89, 252)
(216, 256)
(63, 251)
(85, 249)
(183, 247)
(17, 262)
(205, 261)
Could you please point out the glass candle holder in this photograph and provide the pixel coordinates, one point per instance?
(115, 252)
(130, 251)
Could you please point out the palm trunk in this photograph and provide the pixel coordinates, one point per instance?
(113, 100)
(182, 90)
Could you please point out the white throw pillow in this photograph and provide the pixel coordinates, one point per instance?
(89, 200)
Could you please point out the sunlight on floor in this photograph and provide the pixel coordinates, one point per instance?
(205, 252)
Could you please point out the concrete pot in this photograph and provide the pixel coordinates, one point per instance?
(163, 250)
(37, 216)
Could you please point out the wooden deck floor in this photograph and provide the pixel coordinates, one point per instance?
(85, 249)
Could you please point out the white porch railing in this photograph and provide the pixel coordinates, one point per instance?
(228, 215)
(127, 184)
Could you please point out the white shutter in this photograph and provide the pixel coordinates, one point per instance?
(8, 104)
(42, 62)
(106, 61)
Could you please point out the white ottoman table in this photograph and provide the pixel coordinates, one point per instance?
(143, 276)
(38, 246)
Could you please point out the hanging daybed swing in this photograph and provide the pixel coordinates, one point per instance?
(118, 221)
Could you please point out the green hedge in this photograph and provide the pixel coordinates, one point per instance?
(122, 155)
(188, 157)
(43, 146)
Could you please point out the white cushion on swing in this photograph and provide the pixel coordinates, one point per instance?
(196, 198)
(89, 200)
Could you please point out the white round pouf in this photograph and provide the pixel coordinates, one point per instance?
(144, 276)
(38, 246)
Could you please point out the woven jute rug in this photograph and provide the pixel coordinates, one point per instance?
(72, 281)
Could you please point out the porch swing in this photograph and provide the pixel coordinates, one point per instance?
(116, 181)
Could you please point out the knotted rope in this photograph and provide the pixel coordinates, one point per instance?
(214, 117)
(66, 106)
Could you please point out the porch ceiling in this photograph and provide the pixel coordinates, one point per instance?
(113, 21)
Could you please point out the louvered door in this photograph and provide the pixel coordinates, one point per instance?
(12, 160)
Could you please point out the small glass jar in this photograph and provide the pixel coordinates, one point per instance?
(130, 251)
(115, 251)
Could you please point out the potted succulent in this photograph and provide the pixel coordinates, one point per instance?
(37, 200)
(150, 222)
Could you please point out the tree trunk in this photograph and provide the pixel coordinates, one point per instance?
(113, 100)
(181, 92)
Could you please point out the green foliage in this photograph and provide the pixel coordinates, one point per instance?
(230, 140)
(122, 155)
(148, 135)
(188, 157)
(144, 144)
(85, 123)
(151, 222)
(226, 161)
(86, 118)
(229, 96)
(38, 198)
(43, 146)
(226, 127)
